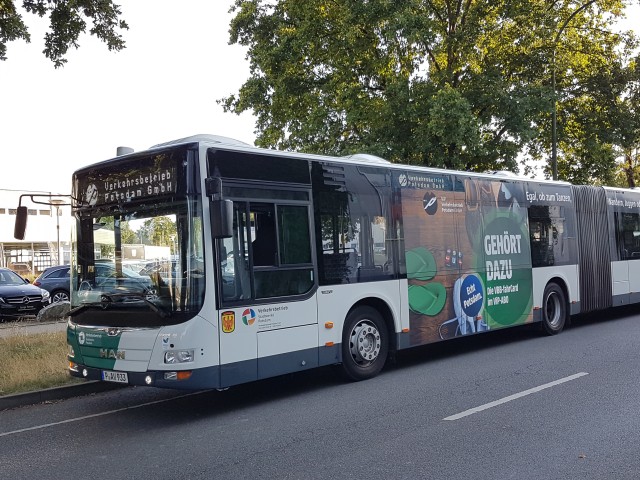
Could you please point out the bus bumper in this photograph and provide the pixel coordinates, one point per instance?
(199, 379)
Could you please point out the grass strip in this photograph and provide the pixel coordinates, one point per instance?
(34, 362)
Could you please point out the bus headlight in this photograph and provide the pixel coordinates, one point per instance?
(178, 356)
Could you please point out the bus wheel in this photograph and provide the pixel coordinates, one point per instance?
(554, 309)
(365, 344)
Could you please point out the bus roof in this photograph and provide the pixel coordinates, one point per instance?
(358, 159)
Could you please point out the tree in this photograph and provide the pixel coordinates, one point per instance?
(158, 231)
(68, 19)
(594, 72)
(455, 84)
(625, 113)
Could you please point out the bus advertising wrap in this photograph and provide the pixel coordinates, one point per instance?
(467, 254)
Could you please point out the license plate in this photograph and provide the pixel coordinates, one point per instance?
(25, 309)
(118, 377)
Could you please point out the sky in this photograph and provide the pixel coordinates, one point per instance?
(161, 87)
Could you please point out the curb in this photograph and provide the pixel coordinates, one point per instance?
(55, 393)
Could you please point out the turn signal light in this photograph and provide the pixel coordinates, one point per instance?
(184, 375)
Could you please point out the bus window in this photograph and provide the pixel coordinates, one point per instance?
(551, 235)
(269, 254)
(629, 240)
(234, 258)
(264, 245)
(281, 250)
(354, 226)
(293, 229)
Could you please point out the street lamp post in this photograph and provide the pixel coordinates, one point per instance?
(554, 114)
(58, 203)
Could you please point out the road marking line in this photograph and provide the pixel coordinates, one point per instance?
(102, 414)
(515, 396)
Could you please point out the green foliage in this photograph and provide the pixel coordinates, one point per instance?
(462, 85)
(628, 173)
(597, 107)
(68, 19)
(128, 236)
(158, 231)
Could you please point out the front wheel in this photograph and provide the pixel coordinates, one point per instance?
(365, 344)
(554, 309)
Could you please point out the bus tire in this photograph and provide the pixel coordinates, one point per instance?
(365, 344)
(554, 309)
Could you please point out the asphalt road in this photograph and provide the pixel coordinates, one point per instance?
(507, 405)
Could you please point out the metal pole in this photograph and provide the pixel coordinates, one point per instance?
(58, 203)
(554, 132)
(58, 232)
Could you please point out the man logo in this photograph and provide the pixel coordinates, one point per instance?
(113, 332)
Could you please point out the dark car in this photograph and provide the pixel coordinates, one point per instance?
(56, 281)
(111, 286)
(18, 297)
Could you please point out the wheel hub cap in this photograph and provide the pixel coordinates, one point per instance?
(365, 342)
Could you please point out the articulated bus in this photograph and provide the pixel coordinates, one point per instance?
(206, 263)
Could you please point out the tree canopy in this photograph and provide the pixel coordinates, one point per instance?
(462, 84)
(68, 19)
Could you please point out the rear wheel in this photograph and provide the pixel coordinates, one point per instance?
(365, 344)
(554, 309)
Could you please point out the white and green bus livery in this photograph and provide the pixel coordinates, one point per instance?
(206, 262)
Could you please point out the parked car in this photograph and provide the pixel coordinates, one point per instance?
(18, 297)
(56, 281)
(109, 286)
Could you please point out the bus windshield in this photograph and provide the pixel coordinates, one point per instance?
(137, 248)
(140, 259)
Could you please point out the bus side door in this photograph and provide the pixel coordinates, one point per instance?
(267, 284)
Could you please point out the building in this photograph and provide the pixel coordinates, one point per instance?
(47, 237)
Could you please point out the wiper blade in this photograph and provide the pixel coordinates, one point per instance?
(84, 306)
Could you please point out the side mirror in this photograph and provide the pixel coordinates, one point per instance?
(21, 223)
(221, 218)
